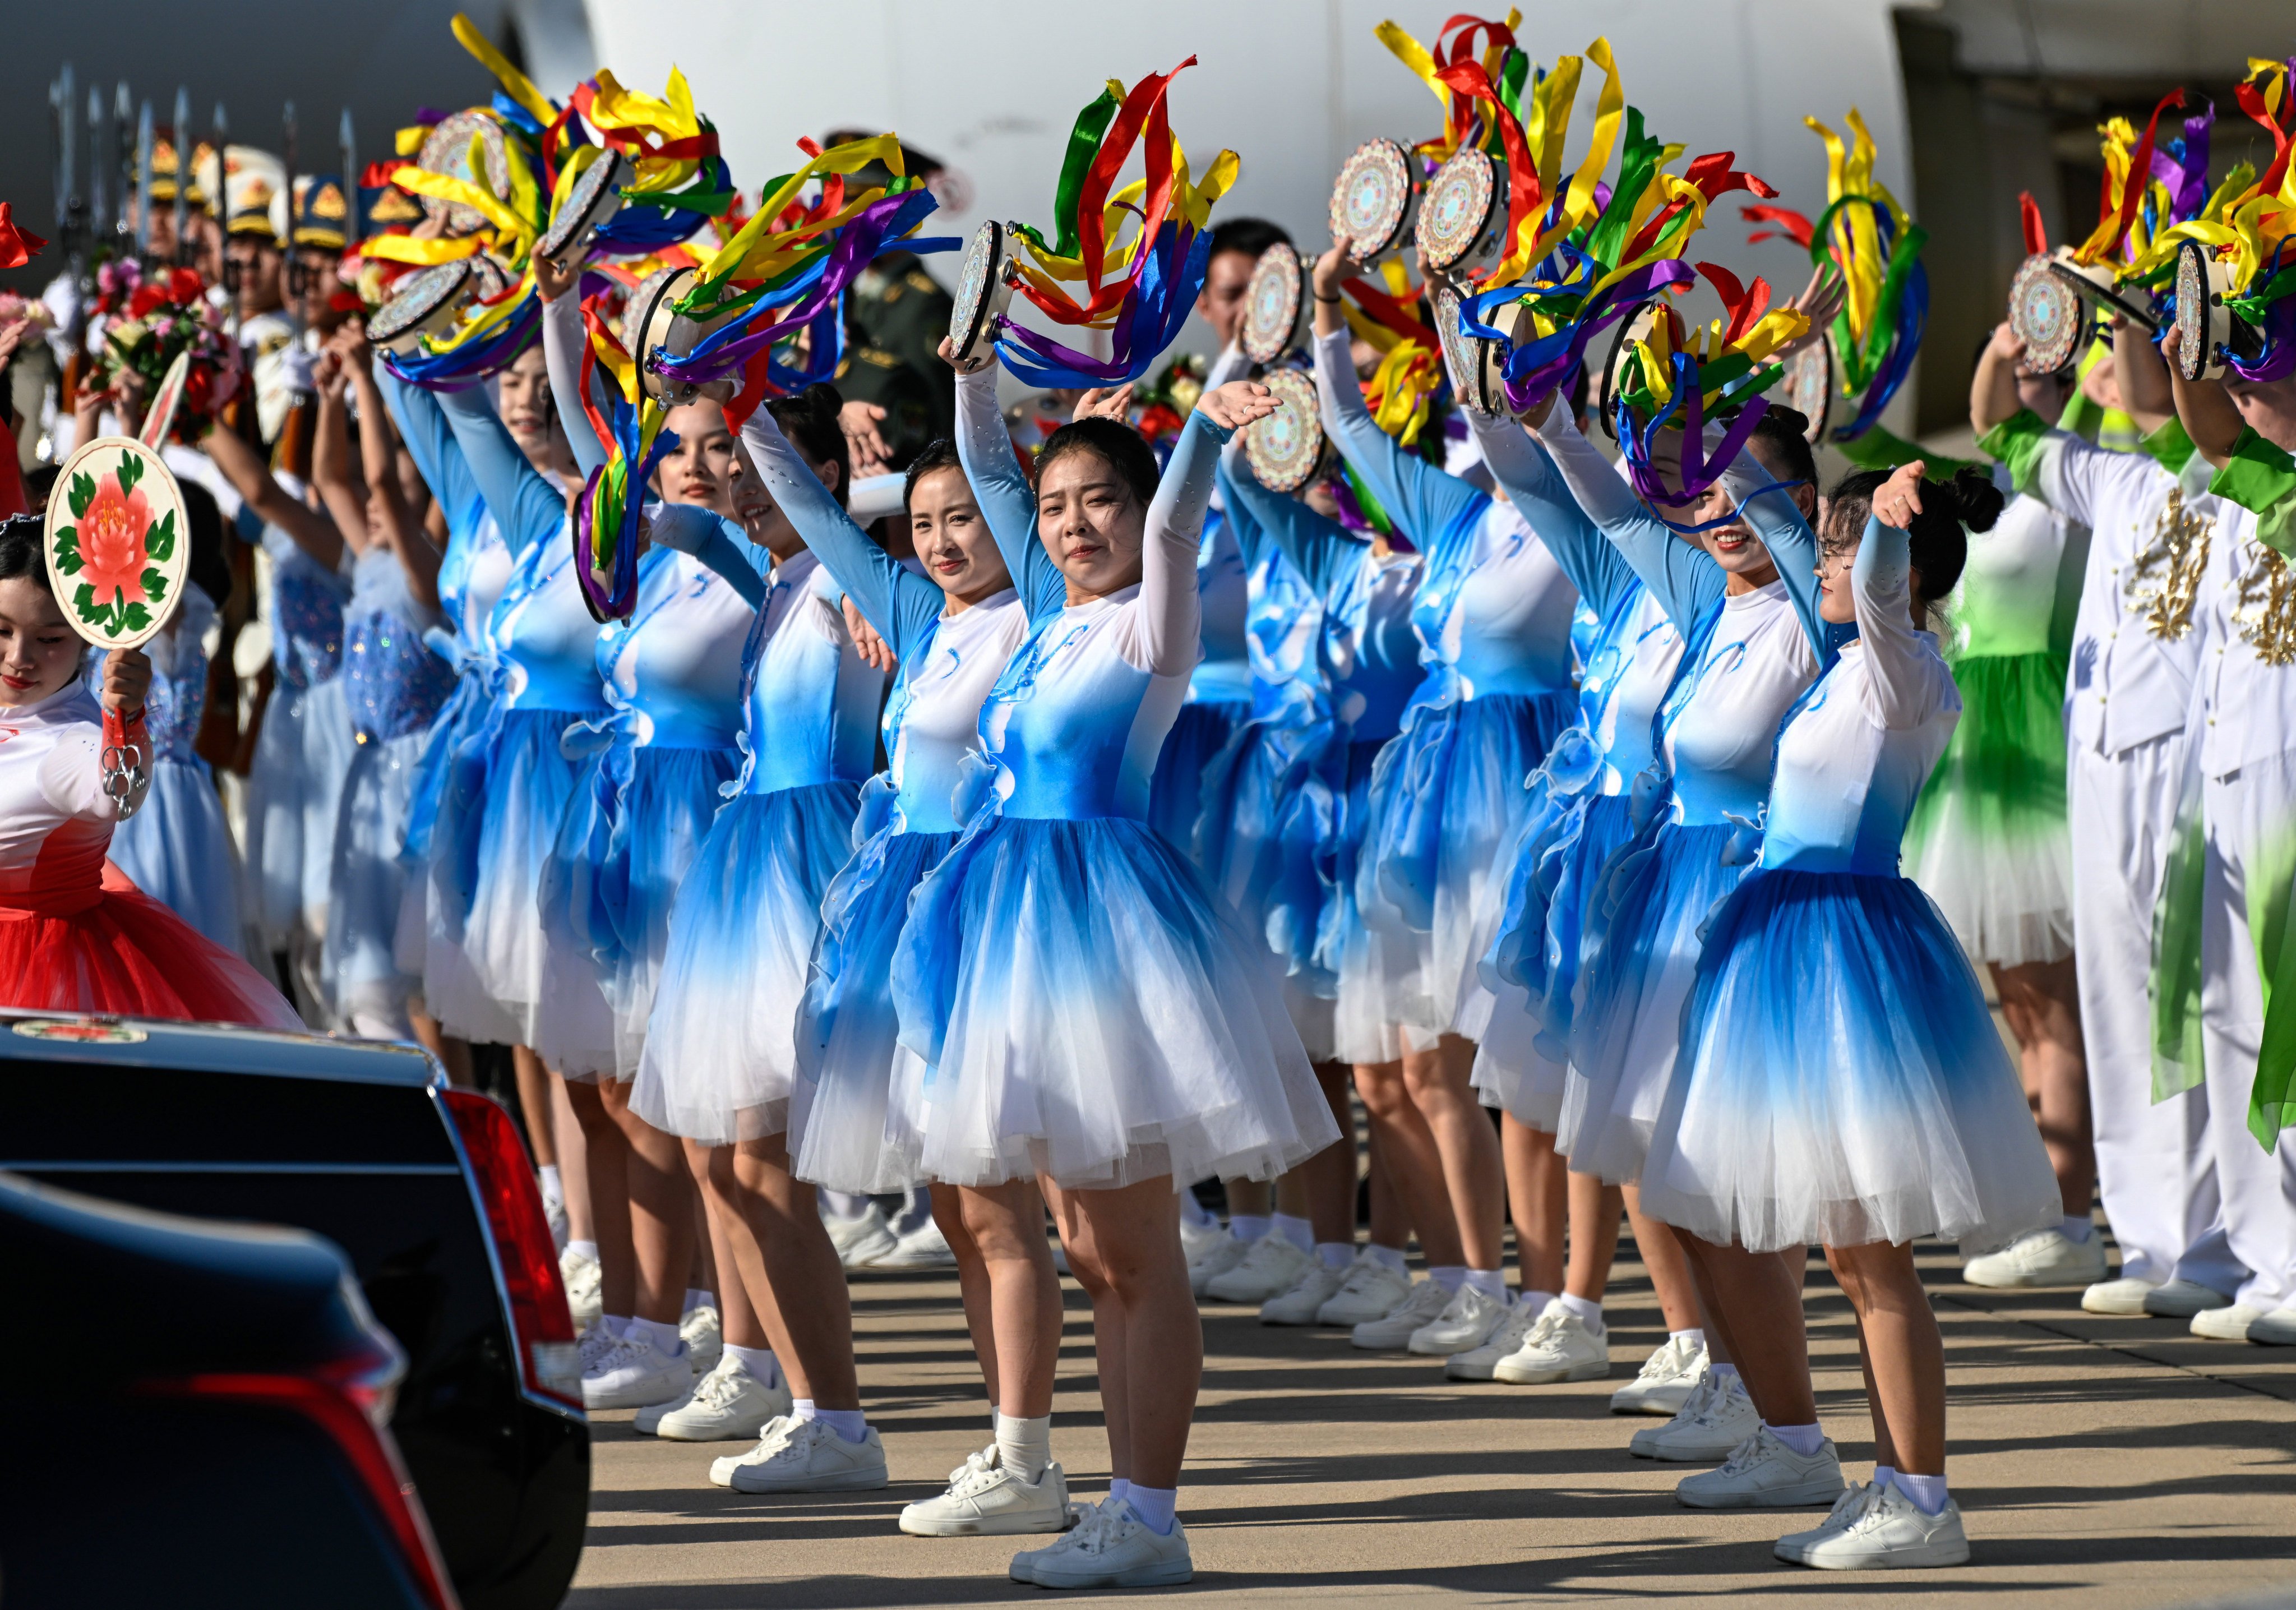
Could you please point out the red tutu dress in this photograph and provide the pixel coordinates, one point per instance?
(73, 939)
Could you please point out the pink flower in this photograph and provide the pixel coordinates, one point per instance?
(111, 533)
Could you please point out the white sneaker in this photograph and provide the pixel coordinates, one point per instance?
(1763, 1473)
(1316, 1285)
(2043, 1258)
(1197, 1239)
(726, 1405)
(580, 1273)
(1666, 1379)
(2275, 1329)
(861, 1242)
(1371, 1291)
(1271, 1265)
(2229, 1323)
(596, 1343)
(1477, 1363)
(1023, 1568)
(635, 1372)
(1718, 1416)
(771, 1436)
(2183, 1299)
(647, 1421)
(986, 1497)
(1892, 1532)
(704, 1338)
(1466, 1321)
(1421, 1302)
(923, 1247)
(1846, 1510)
(1559, 1348)
(1116, 1549)
(1213, 1264)
(2124, 1296)
(814, 1459)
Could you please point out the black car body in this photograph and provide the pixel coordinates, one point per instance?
(428, 1192)
(247, 1354)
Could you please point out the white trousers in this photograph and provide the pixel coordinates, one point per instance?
(2251, 821)
(2155, 1166)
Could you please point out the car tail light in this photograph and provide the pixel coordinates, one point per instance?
(342, 1401)
(542, 1325)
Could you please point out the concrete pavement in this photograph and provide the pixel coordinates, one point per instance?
(2101, 1463)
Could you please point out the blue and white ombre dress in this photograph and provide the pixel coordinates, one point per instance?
(1756, 652)
(1091, 1011)
(1841, 1080)
(1493, 614)
(512, 782)
(1599, 785)
(472, 574)
(721, 1051)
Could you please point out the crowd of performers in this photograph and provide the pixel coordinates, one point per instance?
(837, 789)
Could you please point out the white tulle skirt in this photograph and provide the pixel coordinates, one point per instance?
(364, 976)
(294, 786)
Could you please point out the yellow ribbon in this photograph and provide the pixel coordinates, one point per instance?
(515, 83)
(731, 260)
(423, 253)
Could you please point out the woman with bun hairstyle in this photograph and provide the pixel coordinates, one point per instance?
(1840, 1080)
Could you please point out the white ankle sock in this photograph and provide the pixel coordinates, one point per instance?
(1590, 1314)
(1451, 1276)
(759, 1362)
(1389, 1258)
(2077, 1230)
(845, 1205)
(850, 1424)
(695, 1297)
(1490, 1282)
(1154, 1507)
(1025, 1446)
(1927, 1492)
(1335, 1254)
(1193, 1211)
(1695, 1336)
(1883, 1476)
(587, 1249)
(1535, 1301)
(1724, 1373)
(667, 1341)
(553, 1187)
(1248, 1228)
(1117, 1487)
(1804, 1440)
(1298, 1232)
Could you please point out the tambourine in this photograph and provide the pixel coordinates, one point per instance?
(1632, 327)
(160, 415)
(1272, 302)
(652, 317)
(1460, 216)
(2207, 333)
(1286, 447)
(590, 206)
(1808, 386)
(446, 150)
(425, 302)
(2047, 315)
(1476, 364)
(1371, 200)
(118, 544)
(983, 292)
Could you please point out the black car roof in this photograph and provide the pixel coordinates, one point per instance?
(144, 1042)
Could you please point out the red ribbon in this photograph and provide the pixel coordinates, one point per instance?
(1712, 175)
(1391, 312)
(1794, 225)
(2251, 102)
(1524, 195)
(2029, 214)
(1746, 306)
(17, 246)
(2140, 170)
(1145, 110)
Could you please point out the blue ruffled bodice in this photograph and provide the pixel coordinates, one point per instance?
(1284, 627)
(394, 683)
(810, 701)
(307, 613)
(546, 637)
(672, 674)
(1370, 647)
(1072, 727)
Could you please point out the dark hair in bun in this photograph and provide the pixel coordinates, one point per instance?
(20, 550)
(1785, 435)
(1119, 446)
(810, 419)
(1939, 537)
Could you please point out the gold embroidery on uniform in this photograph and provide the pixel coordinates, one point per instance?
(2164, 575)
(2264, 608)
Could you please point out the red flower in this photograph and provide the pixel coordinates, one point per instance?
(112, 556)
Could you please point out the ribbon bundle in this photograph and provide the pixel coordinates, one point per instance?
(681, 180)
(606, 514)
(1138, 288)
(2251, 223)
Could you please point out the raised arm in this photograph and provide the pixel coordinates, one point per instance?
(1320, 549)
(438, 455)
(312, 531)
(1778, 520)
(1905, 671)
(1008, 502)
(1171, 613)
(1683, 578)
(1433, 507)
(417, 554)
(1598, 571)
(900, 605)
(698, 529)
(563, 339)
(527, 505)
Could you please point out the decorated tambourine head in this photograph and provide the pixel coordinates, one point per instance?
(118, 546)
(589, 207)
(1272, 303)
(2207, 333)
(425, 302)
(1286, 447)
(1809, 385)
(2046, 314)
(1371, 200)
(446, 150)
(1476, 364)
(1460, 215)
(983, 293)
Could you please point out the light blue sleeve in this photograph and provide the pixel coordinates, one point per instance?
(1434, 508)
(526, 503)
(563, 339)
(1008, 502)
(902, 605)
(422, 427)
(690, 528)
(1777, 521)
(1598, 570)
(1321, 549)
(1681, 576)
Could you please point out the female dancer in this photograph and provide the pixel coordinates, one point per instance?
(1493, 612)
(1841, 1080)
(71, 940)
(1749, 608)
(1091, 1014)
